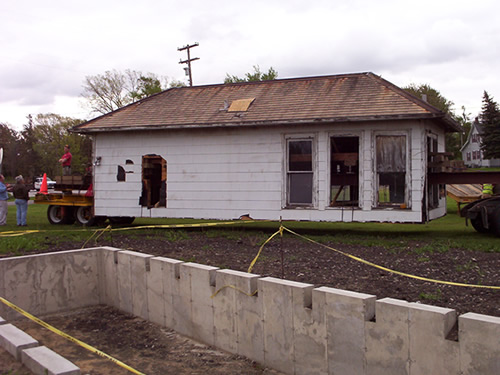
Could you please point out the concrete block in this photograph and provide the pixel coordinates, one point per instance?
(43, 361)
(202, 309)
(310, 349)
(13, 340)
(170, 277)
(430, 351)
(132, 285)
(479, 340)
(156, 301)
(19, 275)
(347, 314)
(67, 280)
(250, 329)
(234, 328)
(124, 282)
(181, 302)
(139, 268)
(225, 322)
(108, 280)
(387, 339)
(278, 307)
(2, 321)
(47, 283)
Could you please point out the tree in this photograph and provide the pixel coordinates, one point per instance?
(257, 75)
(453, 141)
(51, 134)
(113, 89)
(433, 96)
(489, 119)
(146, 86)
(9, 142)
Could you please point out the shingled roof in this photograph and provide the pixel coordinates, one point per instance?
(324, 99)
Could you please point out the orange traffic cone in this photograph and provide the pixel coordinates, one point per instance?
(43, 188)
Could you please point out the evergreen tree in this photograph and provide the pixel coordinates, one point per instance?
(489, 120)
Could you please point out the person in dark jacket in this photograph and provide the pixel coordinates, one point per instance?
(21, 193)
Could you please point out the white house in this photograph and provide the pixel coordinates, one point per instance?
(350, 147)
(472, 154)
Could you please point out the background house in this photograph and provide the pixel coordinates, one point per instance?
(471, 150)
(350, 147)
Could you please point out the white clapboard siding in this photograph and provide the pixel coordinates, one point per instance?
(224, 173)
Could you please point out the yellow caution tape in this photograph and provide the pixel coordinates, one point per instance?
(197, 225)
(68, 337)
(393, 271)
(235, 288)
(95, 232)
(280, 231)
(17, 233)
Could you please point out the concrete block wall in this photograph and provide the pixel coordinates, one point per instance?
(292, 327)
(48, 283)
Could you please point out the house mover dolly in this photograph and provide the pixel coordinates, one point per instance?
(73, 201)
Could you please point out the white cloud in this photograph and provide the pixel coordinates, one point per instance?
(48, 48)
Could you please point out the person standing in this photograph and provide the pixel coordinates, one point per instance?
(21, 193)
(66, 161)
(3, 201)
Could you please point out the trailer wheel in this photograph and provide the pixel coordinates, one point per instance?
(60, 215)
(495, 222)
(83, 216)
(477, 224)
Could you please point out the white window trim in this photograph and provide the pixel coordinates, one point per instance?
(360, 167)
(408, 179)
(313, 137)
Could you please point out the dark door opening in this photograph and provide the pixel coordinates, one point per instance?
(154, 181)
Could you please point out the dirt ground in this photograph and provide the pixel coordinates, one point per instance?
(154, 350)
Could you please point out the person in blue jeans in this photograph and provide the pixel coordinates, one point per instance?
(21, 193)
(3, 201)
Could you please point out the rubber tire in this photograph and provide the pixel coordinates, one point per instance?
(83, 215)
(494, 221)
(121, 220)
(477, 224)
(58, 215)
(54, 215)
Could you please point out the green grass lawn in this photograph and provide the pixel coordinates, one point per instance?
(447, 232)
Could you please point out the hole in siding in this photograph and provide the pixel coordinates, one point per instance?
(120, 175)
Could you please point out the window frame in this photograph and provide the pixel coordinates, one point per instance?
(288, 173)
(406, 204)
(346, 203)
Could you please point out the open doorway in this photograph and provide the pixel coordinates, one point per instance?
(344, 171)
(154, 182)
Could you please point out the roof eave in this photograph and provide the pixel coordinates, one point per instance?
(451, 124)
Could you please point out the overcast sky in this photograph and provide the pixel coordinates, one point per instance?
(48, 47)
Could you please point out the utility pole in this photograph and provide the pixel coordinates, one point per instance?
(188, 61)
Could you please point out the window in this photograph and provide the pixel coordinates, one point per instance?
(154, 182)
(391, 170)
(300, 172)
(344, 171)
